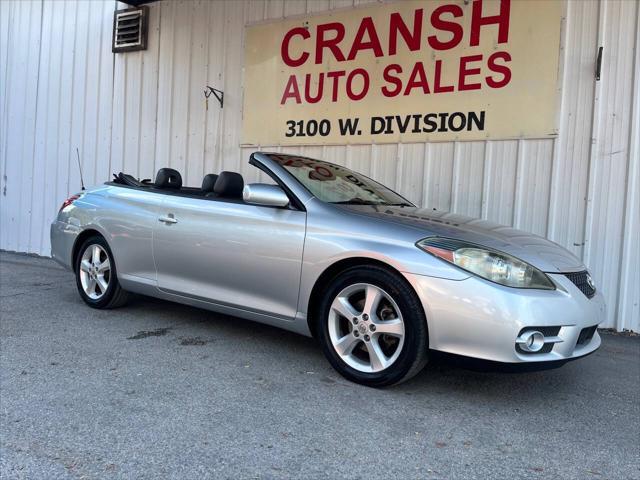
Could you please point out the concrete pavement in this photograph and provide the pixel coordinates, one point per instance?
(158, 390)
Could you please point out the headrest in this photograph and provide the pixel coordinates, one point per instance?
(208, 182)
(229, 184)
(168, 178)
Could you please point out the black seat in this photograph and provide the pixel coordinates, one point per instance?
(228, 185)
(208, 182)
(126, 179)
(168, 178)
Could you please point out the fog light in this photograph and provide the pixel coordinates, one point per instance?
(531, 341)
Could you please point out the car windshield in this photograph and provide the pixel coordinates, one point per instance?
(336, 184)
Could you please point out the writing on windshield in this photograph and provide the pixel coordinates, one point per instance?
(337, 184)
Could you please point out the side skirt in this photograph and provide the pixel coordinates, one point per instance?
(149, 288)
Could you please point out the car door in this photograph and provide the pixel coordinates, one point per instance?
(230, 253)
(129, 215)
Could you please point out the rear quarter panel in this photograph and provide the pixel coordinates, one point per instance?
(125, 217)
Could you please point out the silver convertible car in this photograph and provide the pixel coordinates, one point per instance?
(325, 251)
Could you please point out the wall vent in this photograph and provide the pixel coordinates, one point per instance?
(130, 29)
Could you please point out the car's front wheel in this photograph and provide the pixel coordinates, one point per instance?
(96, 277)
(372, 327)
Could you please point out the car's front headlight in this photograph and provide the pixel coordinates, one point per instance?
(498, 267)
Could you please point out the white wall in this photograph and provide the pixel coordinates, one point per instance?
(62, 88)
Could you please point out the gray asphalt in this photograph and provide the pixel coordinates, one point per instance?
(157, 390)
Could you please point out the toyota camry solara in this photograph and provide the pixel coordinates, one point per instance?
(324, 251)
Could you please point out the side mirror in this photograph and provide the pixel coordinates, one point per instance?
(266, 195)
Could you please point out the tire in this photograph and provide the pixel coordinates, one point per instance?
(98, 273)
(392, 341)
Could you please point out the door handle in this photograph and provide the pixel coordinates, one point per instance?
(168, 219)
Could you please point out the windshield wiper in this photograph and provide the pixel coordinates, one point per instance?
(356, 201)
(359, 201)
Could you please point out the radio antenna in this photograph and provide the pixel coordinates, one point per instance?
(80, 168)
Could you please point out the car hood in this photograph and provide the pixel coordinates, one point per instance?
(533, 249)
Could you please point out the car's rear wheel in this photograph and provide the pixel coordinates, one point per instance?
(96, 276)
(372, 327)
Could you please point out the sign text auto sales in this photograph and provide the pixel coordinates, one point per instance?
(406, 71)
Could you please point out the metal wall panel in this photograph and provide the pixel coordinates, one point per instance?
(63, 89)
(628, 306)
(611, 185)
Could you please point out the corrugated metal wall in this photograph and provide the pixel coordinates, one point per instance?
(63, 89)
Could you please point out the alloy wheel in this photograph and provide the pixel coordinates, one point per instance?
(366, 327)
(95, 271)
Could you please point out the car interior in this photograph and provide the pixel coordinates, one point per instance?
(225, 186)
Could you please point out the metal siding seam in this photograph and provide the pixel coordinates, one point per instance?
(157, 93)
(628, 308)
(400, 166)
(98, 90)
(140, 109)
(219, 134)
(58, 110)
(455, 173)
(9, 223)
(40, 150)
(18, 175)
(206, 113)
(517, 207)
(487, 175)
(595, 117)
(213, 75)
(188, 103)
(35, 124)
(71, 109)
(27, 137)
(425, 174)
(4, 141)
(9, 80)
(165, 85)
(549, 184)
(172, 78)
(113, 85)
(81, 149)
(123, 116)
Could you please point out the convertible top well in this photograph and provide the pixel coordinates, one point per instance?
(226, 185)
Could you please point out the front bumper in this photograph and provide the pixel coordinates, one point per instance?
(479, 319)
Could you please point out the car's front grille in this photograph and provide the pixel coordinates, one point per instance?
(580, 280)
(586, 334)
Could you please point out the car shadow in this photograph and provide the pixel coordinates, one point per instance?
(440, 377)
